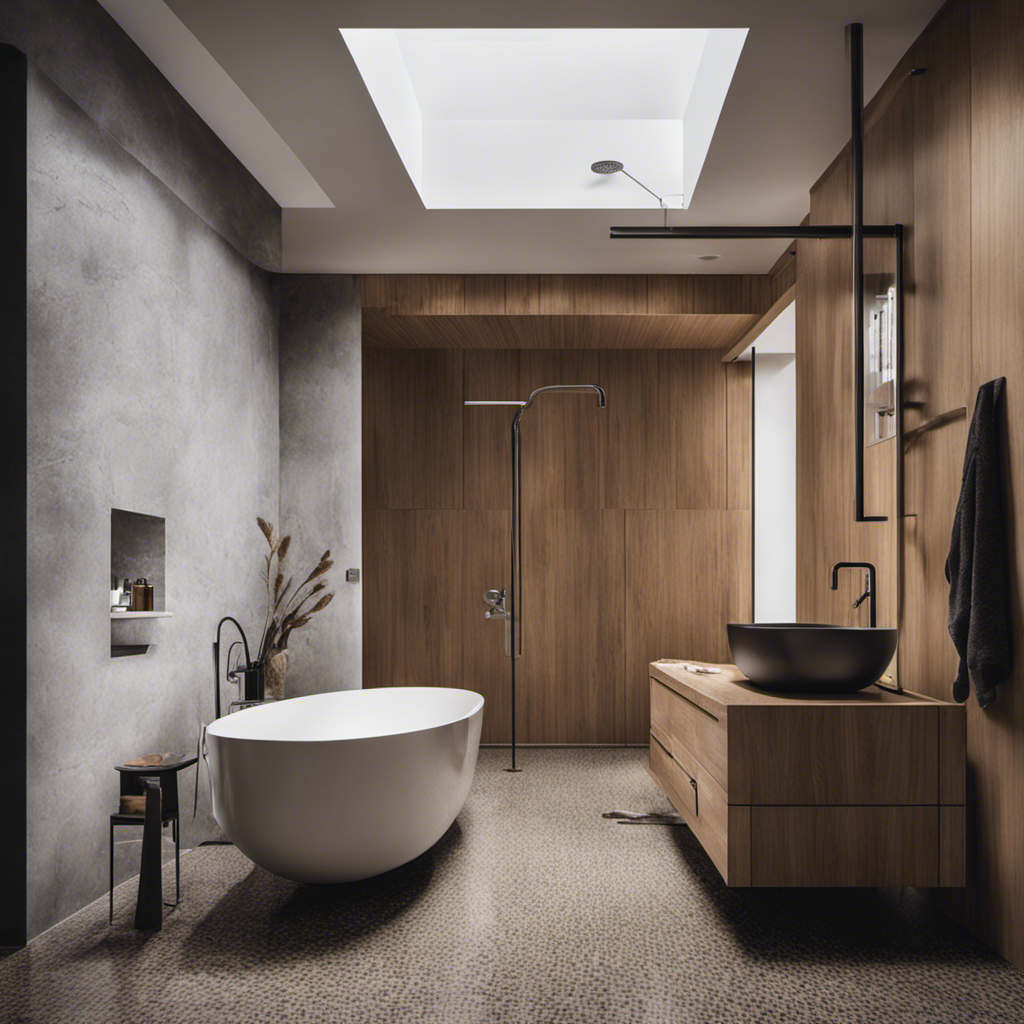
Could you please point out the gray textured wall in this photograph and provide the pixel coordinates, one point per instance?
(84, 51)
(152, 386)
(321, 468)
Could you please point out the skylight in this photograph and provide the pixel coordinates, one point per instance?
(513, 118)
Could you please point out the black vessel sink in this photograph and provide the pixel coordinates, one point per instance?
(807, 657)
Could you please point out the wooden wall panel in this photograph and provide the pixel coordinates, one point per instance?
(543, 431)
(992, 22)
(493, 331)
(937, 357)
(670, 293)
(826, 532)
(522, 294)
(438, 294)
(556, 294)
(572, 674)
(573, 294)
(995, 735)
(698, 414)
(486, 552)
(484, 293)
(782, 276)
(688, 574)
(686, 331)
(611, 293)
(585, 433)
(956, 134)
(725, 293)
(413, 594)
(640, 468)
(374, 291)
(564, 437)
(662, 439)
(487, 430)
(412, 429)
(667, 429)
(937, 362)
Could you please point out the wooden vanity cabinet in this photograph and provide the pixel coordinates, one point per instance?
(863, 789)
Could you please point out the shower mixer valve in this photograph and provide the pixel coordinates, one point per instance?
(495, 600)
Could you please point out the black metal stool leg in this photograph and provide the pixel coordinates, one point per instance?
(149, 906)
(177, 861)
(111, 872)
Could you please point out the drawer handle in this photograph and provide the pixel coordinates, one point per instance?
(693, 781)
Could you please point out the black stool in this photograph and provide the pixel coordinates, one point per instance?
(159, 784)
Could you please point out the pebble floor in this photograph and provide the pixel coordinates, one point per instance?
(532, 908)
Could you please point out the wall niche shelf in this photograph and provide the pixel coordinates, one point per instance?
(138, 550)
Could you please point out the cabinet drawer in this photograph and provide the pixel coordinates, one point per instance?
(690, 730)
(701, 802)
(679, 785)
(841, 846)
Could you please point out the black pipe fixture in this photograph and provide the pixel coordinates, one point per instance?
(856, 231)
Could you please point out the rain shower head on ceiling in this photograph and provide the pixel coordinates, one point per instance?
(615, 167)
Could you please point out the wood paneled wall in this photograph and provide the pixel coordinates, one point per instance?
(636, 527)
(572, 294)
(621, 311)
(945, 156)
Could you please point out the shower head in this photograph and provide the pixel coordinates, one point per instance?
(614, 167)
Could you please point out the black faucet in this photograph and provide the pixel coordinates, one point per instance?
(252, 677)
(868, 595)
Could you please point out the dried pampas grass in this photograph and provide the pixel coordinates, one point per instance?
(285, 606)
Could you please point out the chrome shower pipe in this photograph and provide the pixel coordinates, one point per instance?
(514, 620)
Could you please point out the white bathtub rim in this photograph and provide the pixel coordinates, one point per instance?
(261, 710)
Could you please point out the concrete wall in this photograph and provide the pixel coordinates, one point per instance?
(153, 387)
(90, 57)
(321, 468)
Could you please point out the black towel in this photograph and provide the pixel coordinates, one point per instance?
(979, 598)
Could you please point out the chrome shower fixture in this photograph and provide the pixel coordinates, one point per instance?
(615, 166)
(496, 599)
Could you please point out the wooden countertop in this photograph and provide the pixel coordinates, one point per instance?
(716, 693)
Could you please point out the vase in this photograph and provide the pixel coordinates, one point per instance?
(276, 670)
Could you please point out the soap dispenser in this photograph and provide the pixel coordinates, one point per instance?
(142, 596)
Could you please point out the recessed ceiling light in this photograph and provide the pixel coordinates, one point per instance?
(710, 256)
(511, 118)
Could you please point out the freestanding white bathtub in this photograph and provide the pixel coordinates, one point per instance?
(341, 786)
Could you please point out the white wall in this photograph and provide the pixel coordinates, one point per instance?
(775, 484)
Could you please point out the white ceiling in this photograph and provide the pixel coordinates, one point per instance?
(784, 119)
